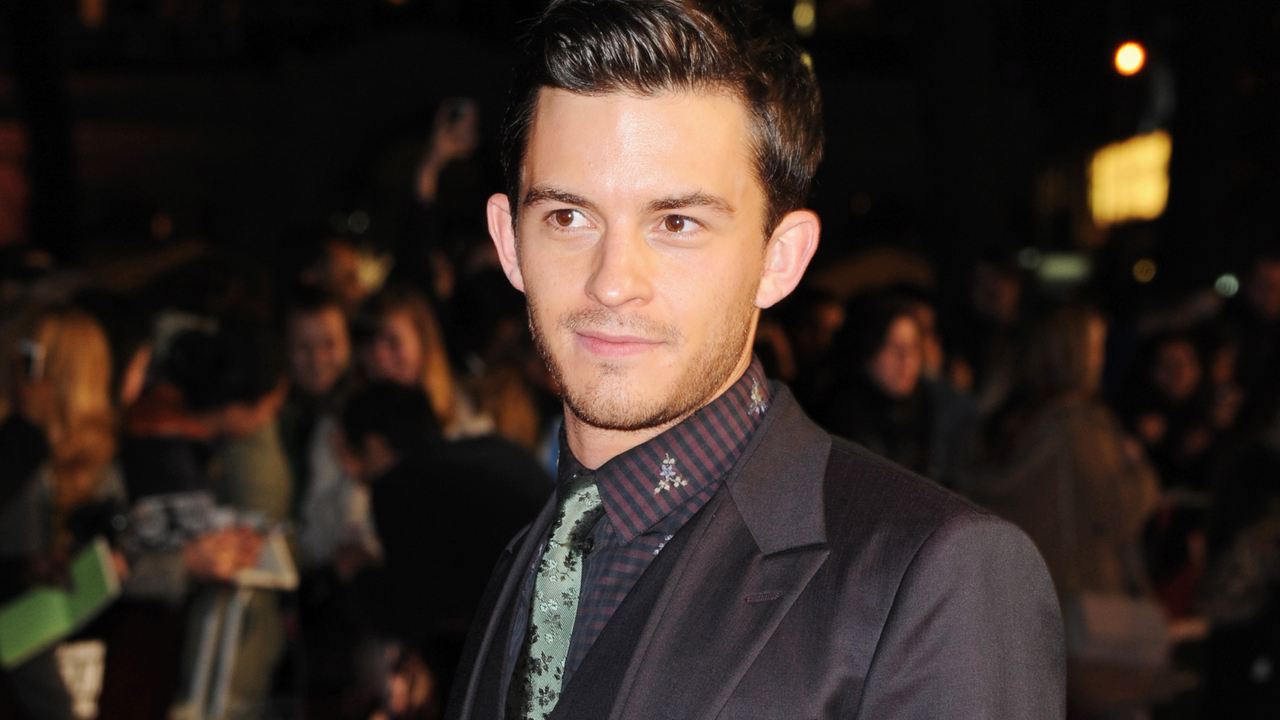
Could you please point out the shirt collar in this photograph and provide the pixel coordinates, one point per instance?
(648, 482)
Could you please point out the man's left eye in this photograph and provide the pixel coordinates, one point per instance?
(678, 224)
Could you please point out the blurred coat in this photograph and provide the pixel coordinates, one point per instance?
(1074, 450)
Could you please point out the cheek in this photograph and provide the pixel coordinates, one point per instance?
(707, 291)
(408, 351)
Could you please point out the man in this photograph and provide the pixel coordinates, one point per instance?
(710, 553)
(442, 515)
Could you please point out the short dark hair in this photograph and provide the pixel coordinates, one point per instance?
(241, 361)
(400, 414)
(310, 300)
(649, 47)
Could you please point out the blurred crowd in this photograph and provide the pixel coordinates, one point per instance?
(388, 415)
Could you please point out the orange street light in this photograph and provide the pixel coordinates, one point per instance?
(1130, 57)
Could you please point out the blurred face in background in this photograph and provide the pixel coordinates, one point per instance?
(395, 354)
(895, 368)
(996, 293)
(340, 273)
(1177, 370)
(319, 349)
(930, 344)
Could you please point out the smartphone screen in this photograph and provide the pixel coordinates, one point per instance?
(32, 354)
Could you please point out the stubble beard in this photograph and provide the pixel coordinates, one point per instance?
(612, 408)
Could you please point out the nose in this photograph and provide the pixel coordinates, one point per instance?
(622, 271)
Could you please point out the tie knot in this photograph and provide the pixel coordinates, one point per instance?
(581, 486)
(578, 507)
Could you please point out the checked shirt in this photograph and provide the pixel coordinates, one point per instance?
(648, 494)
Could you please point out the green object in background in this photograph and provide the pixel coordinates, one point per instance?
(41, 617)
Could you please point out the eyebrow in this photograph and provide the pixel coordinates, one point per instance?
(543, 193)
(690, 200)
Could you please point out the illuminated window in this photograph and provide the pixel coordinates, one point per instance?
(1130, 180)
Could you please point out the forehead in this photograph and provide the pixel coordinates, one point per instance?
(620, 144)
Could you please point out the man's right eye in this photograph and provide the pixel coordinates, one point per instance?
(567, 218)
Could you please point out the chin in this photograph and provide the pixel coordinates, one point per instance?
(620, 411)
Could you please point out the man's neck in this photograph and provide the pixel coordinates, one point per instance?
(594, 446)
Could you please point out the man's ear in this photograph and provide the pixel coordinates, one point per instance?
(788, 254)
(503, 232)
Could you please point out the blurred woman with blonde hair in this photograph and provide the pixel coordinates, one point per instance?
(69, 400)
(403, 344)
(60, 390)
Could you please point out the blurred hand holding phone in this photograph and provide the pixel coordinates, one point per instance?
(454, 136)
(32, 354)
(36, 398)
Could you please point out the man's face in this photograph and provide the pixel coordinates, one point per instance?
(640, 250)
(319, 349)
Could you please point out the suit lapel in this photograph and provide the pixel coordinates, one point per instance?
(753, 551)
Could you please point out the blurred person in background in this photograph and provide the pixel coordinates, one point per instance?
(335, 269)
(987, 348)
(811, 318)
(404, 345)
(1255, 316)
(442, 519)
(438, 224)
(1241, 590)
(877, 399)
(60, 438)
(1170, 411)
(328, 504)
(330, 507)
(881, 399)
(493, 344)
(957, 433)
(1061, 467)
(1226, 395)
(206, 424)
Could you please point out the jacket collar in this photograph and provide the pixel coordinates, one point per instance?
(787, 451)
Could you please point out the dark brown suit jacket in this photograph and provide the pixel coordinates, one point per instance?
(820, 582)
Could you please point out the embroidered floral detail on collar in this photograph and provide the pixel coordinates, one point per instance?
(758, 405)
(670, 478)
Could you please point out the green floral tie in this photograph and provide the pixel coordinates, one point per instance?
(540, 674)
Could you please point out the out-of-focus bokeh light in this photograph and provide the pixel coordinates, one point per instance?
(161, 226)
(1129, 180)
(92, 13)
(1029, 258)
(358, 222)
(1144, 271)
(1130, 57)
(805, 17)
(1068, 268)
(1227, 285)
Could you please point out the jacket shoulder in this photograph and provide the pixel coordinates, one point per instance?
(866, 496)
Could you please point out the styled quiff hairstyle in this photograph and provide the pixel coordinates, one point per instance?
(652, 47)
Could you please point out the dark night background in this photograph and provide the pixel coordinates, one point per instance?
(137, 135)
(245, 121)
